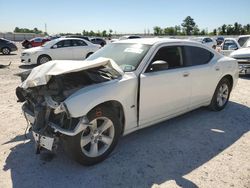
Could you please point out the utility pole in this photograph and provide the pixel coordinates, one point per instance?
(45, 27)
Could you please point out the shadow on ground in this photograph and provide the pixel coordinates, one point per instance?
(27, 66)
(154, 155)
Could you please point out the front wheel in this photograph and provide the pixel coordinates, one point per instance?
(43, 59)
(6, 51)
(98, 140)
(221, 95)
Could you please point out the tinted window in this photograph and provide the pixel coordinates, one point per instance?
(172, 55)
(63, 43)
(78, 43)
(38, 40)
(242, 40)
(197, 56)
(208, 40)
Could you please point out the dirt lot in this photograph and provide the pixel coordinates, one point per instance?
(199, 149)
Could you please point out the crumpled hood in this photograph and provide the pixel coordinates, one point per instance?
(243, 52)
(41, 75)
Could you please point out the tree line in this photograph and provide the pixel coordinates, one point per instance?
(189, 27)
(25, 30)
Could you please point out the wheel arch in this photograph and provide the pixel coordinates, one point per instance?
(230, 79)
(114, 104)
(43, 55)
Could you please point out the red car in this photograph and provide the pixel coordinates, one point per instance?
(34, 42)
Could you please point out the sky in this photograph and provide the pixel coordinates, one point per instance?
(127, 16)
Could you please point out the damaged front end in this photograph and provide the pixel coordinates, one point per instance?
(43, 107)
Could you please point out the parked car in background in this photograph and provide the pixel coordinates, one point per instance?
(59, 49)
(206, 41)
(7, 46)
(126, 37)
(229, 45)
(242, 39)
(242, 55)
(98, 40)
(125, 86)
(77, 36)
(219, 40)
(38, 41)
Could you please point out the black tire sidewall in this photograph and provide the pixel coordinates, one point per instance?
(214, 105)
(7, 49)
(41, 56)
(72, 143)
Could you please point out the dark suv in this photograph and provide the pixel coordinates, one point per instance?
(7, 46)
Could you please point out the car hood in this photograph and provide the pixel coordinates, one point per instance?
(33, 50)
(42, 74)
(243, 52)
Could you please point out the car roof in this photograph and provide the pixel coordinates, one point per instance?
(152, 41)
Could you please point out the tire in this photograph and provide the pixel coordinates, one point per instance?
(88, 55)
(5, 50)
(43, 59)
(29, 46)
(221, 95)
(81, 147)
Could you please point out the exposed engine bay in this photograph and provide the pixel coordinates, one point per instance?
(43, 104)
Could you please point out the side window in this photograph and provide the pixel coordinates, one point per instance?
(242, 40)
(196, 55)
(66, 43)
(38, 40)
(81, 43)
(171, 55)
(208, 40)
(59, 44)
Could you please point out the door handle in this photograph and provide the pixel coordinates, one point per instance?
(217, 68)
(185, 74)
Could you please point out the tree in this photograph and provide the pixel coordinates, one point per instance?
(110, 32)
(188, 24)
(104, 33)
(157, 30)
(196, 30)
(214, 32)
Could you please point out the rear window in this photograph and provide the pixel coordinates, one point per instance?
(197, 56)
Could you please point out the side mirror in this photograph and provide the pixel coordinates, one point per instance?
(159, 65)
(54, 47)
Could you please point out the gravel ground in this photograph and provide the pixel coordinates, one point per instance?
(199, 149)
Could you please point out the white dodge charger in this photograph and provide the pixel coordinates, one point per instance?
(59, 49)
(125, 86)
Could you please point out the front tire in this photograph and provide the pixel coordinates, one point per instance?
(6, 51)
(98, 140)
(221, 95)
(43, 59)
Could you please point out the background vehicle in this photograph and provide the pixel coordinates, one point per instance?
(34, 42)
(90, 104)
(229, 45)
(77, 36)
(126, 37)
(242, 55)
(59, 49)
(7, 46)
(206, 41)
(219, 40)
(98, 40)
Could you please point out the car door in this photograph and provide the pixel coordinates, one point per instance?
(80, 49)
(228, 47)
(204, 74)
(164, 91)
(61, 50)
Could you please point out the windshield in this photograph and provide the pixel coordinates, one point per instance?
(246, 44)
(127, 56)
(49, 43)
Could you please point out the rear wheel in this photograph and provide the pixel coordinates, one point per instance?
(98, 140)
(221, 95)
(6, 51)
(29, 46)
(43, 59)
(88, 54)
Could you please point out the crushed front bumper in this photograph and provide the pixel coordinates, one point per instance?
(48, 141)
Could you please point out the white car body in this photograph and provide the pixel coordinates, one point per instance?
(56, 52)
(207, 41)
(228, 46)
(143, 97)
